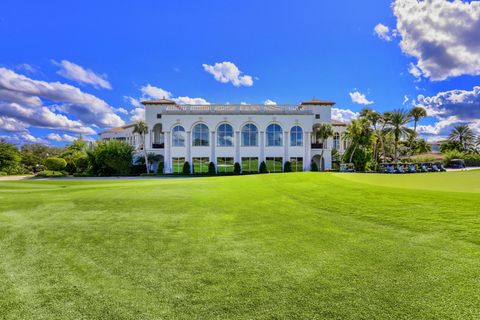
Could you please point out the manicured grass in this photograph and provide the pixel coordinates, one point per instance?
(278, 246)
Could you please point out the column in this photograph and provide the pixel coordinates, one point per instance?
(285, 147)
(237, 147)
(262, 147)
(213, 158)
(188, 156)
(167, 164)
(307, 156)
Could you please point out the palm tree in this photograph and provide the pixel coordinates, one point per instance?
(462, 134)
(358, 133)
(416, 113)
(398, 120)
(142, 129)
(322, 132)
(384, 118)
(374, 118)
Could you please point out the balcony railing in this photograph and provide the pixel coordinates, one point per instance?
(216, 108)
(158, 145)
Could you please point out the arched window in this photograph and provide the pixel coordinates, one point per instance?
(336, 141)
(225, 135)
(274, 135)
(200, 135)
(296, 137)
(178, 136)
(249, 135)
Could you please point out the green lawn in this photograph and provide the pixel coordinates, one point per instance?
(278, 246)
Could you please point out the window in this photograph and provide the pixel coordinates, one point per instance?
(274, 135)
(249, 165)
(200, 165)
(178, 136)
(159, 116)
(345, 145)
(297, 164)
(249, 135)
(274, 164)
(317, 116)
(225, 135)
(336, 141)
(225, 165)
(177, 165)
(296, 137)
(200, 135)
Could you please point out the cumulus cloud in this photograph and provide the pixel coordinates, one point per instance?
(78, 73)
(359, 98)
(441, 35)
(153, 92)
(30, 93)
(12, 124)
(137, 114)
(269, 102)
(60, 138)
(21, 138)
(225, 72)
(134, 102)
(121, 110)
(450, 108)
(414, 70)
(344, 115)
(383, 32)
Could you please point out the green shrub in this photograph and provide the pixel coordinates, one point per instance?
(55, 164)
(81, 164)
(110, 158)
(263, 167)
(237, 169)
(421, 159)
(452, 154)
(3, 173)
(160, 167)
(186, 168)
(287, 167)
(211, 169)
(313, 166)
(472, 160)
(51, 174)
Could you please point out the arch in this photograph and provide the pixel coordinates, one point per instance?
(274, 134)
(319, 161)
(178, 136)
(249, 135)
(157, 136)
(296, 136)
(225, 135)
(336, 141)
(200, 135)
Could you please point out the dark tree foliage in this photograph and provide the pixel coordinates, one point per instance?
(186, 168)
(263, 167)
(237, 169)
(211, 169)
(110, 158)
(9, 156)
(55, 164)
(287, 167)
(313, 166)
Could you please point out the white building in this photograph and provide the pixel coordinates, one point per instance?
(225, 134)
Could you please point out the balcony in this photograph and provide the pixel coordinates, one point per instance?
(317, 146)
(158, 145)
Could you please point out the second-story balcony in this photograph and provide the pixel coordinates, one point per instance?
(317, 145)
(158, 145)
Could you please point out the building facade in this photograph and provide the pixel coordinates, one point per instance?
(226, 134)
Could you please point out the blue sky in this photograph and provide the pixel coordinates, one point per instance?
(69, 68)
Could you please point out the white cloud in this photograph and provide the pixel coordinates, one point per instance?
(26, 68)
(155, 92)
(134, 102)
(138, 114)
(12, 124)
(441, 35)
(269, 102)
(414, 71)
(22, 138)
(359, 98)
(405, 99)
(225, 72)
(78, 73)
(150, 91)
(344, 115)
(29, 93)
(60, 138)
(121, 110)
(383, 32)
(450, 108)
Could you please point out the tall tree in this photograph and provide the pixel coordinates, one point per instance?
(322, 132)
(141, 129)
(462, 134)
(359, 134)
(374, 118)
(398, 121)
(417, 113)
